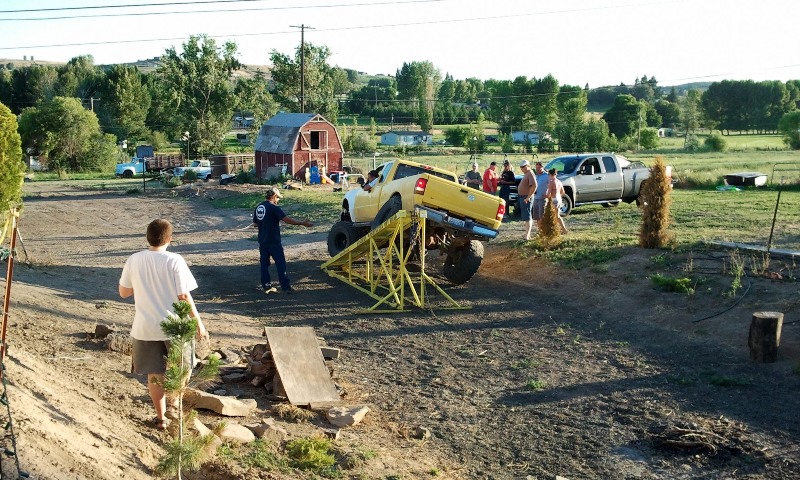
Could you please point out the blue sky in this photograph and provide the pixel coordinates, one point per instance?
(599, 42)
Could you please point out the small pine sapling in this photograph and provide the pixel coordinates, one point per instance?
(184, 451)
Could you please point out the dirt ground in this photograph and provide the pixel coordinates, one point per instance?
(583, 374)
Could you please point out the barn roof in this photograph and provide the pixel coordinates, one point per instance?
(279, 133)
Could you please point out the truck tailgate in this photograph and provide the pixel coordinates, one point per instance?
(463, 202)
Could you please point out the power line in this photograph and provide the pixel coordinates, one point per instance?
(132, 14)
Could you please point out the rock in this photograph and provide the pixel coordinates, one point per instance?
(119, 342)
(261, 369)
(269, 430)
(229, 357)
(228, 406)
(421, 433)
(202, 348)
(102, 331)
(332, 433)
(346, 416)
(233, 432)
(201, 427)
(234, 378)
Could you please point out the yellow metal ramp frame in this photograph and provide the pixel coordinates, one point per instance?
(377, 265)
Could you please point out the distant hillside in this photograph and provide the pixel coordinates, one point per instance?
(144, 66)
(12, 63)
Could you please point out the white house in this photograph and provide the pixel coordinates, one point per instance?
(406, 138)
(523, 136)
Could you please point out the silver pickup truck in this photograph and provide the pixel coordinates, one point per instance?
(604, 178)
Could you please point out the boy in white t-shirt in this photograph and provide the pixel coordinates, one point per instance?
(158, 278)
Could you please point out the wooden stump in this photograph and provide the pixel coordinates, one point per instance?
(765, 336)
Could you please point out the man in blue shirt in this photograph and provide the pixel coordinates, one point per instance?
(267, 217)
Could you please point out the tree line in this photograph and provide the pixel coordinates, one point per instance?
(75, 115)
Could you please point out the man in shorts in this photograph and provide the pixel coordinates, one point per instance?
(158, 278)
(525, 192)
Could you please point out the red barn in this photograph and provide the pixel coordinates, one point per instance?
(297, 141)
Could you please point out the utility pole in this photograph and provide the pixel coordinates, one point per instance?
(302, 28)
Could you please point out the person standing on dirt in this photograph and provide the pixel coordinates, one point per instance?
(525, 192)
(156, 278)
(267, 217)
(473, 177)
(542, 179)
(490, 179)
(506, 181)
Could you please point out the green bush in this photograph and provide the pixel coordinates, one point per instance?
(189, 176)
(716, 143)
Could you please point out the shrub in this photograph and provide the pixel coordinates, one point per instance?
(692, 143)
(655, 200)
(189, 176)
(716, 143)
(550, 233)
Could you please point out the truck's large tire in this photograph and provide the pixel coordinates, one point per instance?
(566, 205)
(342, 235)
(127, 174)
(387, 211)
(463, 263)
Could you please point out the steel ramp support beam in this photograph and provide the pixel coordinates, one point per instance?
(377, 265)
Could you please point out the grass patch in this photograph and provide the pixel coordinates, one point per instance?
(319, 206)
(535, 384)
(314, 455)
(673, 284)
(525, 364)
(257, 454)
(290, 412)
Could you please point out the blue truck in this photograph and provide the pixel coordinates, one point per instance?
(146, 160)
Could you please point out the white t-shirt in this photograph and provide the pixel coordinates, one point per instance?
(157, 278)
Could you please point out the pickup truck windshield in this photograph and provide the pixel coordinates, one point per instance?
(404, 171)
(563, 164)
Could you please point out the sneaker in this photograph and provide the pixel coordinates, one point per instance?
(270, 289)
(290, 291)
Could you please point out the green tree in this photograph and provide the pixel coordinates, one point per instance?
(125, 103)
(418, 82)
(598, 138)
(623, 117)
(690, 112)
(196, 83)
(789, 126)
(66, 134)
(32, 85)
(11, 164)
(5, 86)
(670, 113)
(648, 138)
(570, 127)
(319, 83)
(79, 78)
(253, 97)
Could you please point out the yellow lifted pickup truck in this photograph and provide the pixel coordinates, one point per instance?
(459, 217)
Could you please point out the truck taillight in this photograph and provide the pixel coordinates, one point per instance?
(501, 210)
(419, 187)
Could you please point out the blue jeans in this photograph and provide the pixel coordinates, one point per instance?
(274, 251)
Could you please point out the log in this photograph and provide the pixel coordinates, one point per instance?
(765, 336)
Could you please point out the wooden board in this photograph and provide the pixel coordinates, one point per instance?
(299, 363)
